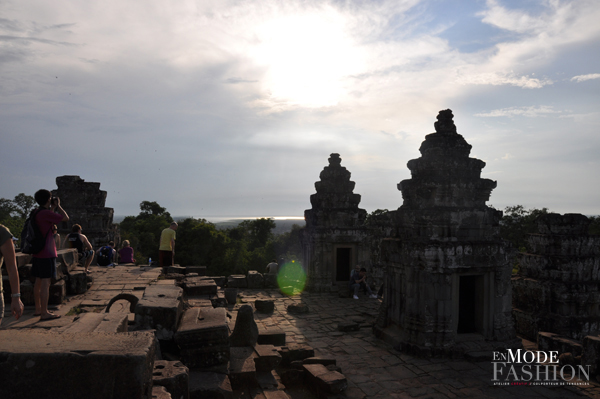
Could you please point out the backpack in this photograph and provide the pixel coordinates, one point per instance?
(32, 239)
(104, 256)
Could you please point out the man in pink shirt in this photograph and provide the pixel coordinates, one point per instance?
(44, 262)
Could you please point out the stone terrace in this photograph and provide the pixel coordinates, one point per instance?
(373, 368)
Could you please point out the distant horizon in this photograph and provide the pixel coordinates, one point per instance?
(218, 218)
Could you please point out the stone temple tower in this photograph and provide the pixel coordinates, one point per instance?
(335, 238)
(448, 286)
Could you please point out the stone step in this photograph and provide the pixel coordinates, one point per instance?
(71, 366)
(98, 322)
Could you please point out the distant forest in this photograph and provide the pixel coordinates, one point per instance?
(233, 247)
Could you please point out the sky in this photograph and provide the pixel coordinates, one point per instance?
(232, 108)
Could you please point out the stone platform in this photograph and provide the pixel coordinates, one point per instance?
(372, 367)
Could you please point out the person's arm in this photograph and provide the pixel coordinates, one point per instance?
(8, 251)
(173, 244)
(86, 242)
(60, 211)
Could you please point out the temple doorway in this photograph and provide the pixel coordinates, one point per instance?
(343, 263)
(470, 304)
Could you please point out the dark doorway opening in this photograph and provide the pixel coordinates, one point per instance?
(342, 264)
(470, 304)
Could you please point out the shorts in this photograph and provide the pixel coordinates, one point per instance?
(85, 254)
(165, 258)
(43, 267)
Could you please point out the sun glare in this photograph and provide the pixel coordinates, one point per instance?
(307, 58)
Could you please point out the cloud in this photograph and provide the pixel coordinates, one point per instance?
(582, 78)
(239, 80)
(530, 112)
(498, 79)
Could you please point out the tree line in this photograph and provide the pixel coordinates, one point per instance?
(250, 245)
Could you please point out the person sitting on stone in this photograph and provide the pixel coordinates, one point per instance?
(273, 267)
(107, 255)
(83, 246)
(358, 281)
(56, 236)
(126, 253)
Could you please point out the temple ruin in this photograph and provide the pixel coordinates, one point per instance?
(335, 238)
(557, 287)
(448, 271)
(85, 204)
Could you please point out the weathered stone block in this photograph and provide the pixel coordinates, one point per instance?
(77, 282)
(159, 392)
(591, 354)
(264, 306)
(267, 357)
(320, 380)
(68, 259)
(242, 370)
(173, 376)
(245, 332)
(210, 385)
(218, 300)
(554, 342)
(200, 270)
(231, 295)
(292, 377)
(98, 322)
(198, 286)
(272, 336)
(237, 281)
(26, 293)
(203, 337)
(175, 269)
(319, 360)
(160, 308)
(255, 279)
(120, 363)
(58, 292)
(293, 352)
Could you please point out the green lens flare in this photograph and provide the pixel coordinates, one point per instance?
(291, 278)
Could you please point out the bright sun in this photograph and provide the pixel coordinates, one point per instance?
(307, 58)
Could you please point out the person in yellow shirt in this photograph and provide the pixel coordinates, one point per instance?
(166, 251)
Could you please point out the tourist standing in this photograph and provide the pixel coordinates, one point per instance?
(82, 244)
(273, 267)
(44, 262)
(7, 255)
(166, 251)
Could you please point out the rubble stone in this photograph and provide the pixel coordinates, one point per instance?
(173, 376)
(245, 332)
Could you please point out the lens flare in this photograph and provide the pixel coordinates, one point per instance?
(291, 278)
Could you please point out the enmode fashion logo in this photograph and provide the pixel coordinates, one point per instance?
(521, 367)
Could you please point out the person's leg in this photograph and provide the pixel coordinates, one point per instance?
(161, 258)
(368, 290)
(355, 287)
(88, 261)
(36, 295)
(44, 295)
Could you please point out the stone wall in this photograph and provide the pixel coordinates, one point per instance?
(557, 288)
(85, 203)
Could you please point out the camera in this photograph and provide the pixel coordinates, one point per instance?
(54, 200)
